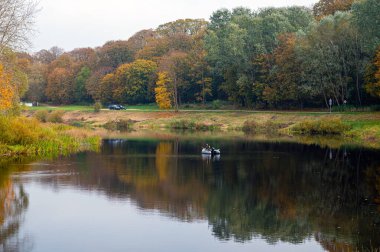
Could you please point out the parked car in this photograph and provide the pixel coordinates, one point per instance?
(116, 107)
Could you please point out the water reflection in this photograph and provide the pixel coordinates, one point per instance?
(272, 191)
(14, 201)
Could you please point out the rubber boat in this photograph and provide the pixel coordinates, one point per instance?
(211, 151)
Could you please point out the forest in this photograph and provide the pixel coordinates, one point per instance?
(281, 58)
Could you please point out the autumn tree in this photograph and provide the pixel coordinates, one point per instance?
(162, 93)
(174, 65)
(86, 56)
(139, 81)
(48, 56)
(329, 7)
(178, 35)
(131, 83)
(37, 82)
(372, 85)
(6, 89)
(199, 76)
(285, 87)
(140, 39)
(108, 87)
(93, 84)
(114, 53)
(16, 68)
(60, 88)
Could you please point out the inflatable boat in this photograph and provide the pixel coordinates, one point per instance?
(210, 151)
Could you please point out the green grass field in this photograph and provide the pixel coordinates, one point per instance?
(148, 107)
(154, 107)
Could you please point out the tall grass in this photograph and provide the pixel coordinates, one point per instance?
(325, 126)
(21, 136)
(190, 125)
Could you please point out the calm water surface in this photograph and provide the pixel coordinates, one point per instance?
(163, 195)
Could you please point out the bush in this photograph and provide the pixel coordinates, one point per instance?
(206, 127)
(326, 126)
(250, 126)
(216, 104)
(97, 107)
(21, 136)
(19, 130)
(120, 125)
(273, 127)
(55, 116)
(190, 125)
(182, 124)
(41, 115)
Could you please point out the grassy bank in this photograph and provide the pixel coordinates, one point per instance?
(362, 127)
(21, 137)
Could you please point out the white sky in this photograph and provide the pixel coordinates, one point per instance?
(72, 24)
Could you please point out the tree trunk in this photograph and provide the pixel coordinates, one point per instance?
(175, 95)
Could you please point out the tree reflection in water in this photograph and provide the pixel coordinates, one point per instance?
(276, 191)
(14, 201)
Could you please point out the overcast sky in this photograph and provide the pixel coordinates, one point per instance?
(72, 24)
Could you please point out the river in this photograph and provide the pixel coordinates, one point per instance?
(163, 195)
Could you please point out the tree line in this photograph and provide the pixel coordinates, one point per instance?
(291, 57)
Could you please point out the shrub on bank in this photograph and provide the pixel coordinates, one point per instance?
(53, 116)
(182, 125)
(97, 107)
(190, 125)
(120, 125)
(250, 126)
(326, 126)
(56, 116)
(41, 115)
(21, 136)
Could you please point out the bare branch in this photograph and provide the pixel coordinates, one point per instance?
(16, 23)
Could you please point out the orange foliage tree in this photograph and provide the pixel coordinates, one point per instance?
(6, 89)
(329, 7)
(372, 85)
(162, 93)
(60, 88)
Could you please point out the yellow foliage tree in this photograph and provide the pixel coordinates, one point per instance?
(163, 96)
(6, 89)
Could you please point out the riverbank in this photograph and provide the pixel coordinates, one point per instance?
(360, 127)
(26, 137)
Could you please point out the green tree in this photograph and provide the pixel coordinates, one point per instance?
(366, 17)
(80, 91)
(332, 59)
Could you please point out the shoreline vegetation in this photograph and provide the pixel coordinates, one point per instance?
(359, 128)
(22, 137)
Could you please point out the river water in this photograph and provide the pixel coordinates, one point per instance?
(163, 195)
